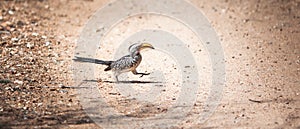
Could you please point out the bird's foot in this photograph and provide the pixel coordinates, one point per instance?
(142, 74)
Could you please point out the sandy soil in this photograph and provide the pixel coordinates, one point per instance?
(260, 41)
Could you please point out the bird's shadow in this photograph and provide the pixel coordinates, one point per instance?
(124, 82)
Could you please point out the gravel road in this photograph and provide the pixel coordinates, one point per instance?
(260, 40)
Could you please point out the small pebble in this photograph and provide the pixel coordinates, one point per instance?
(14, 39)
(10, 12)
(47, 43)
(35, 34)
(39, 104)
(29, 45)
(18, 82)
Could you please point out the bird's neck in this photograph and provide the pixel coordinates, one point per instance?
(134, 54)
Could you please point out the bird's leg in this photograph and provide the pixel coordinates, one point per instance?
(116, 77)
(136, 73)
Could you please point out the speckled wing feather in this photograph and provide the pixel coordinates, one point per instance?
(126, 63)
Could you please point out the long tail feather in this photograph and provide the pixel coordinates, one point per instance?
(91, 60)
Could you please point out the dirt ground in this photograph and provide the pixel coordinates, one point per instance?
(261, 47)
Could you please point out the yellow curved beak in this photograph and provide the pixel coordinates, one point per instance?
(146, 45)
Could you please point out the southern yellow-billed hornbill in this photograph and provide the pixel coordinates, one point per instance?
(125, 64)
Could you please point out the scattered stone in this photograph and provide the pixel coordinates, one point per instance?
(245, 20)
(39, 104)
(10, 12)
(15, 39)
(47, 43)
(35, 34)
(29, 45)
(18, 82)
